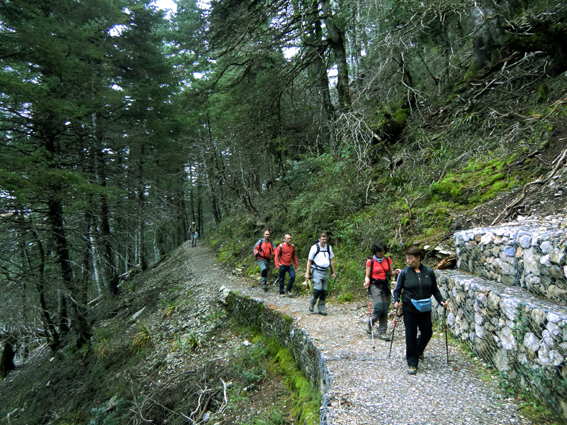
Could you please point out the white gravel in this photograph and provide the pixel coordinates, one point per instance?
(365, 386)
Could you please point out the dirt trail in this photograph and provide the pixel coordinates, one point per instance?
(368, 388)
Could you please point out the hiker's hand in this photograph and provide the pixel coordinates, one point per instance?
(397, 305)
(445, 304)
(333, 276)
(397, 271)
(366, 284)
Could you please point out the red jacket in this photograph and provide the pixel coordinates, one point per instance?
(379, 269)
(285, 254)
(264, 250)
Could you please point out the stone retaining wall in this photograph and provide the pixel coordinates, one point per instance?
(524, 337)
(529, 254)
(274, 324)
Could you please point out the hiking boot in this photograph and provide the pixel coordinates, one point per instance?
(282, 294)
(289, 294)
(412, 370)
(265, 288)
(385, 337)
(421, 356)
(323, 312)
(310, 308)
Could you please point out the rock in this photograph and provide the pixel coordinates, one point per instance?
(531, 343)
(546, 337)
(545, 260)
(510, 251)
(136, 314)
(557, 256)
(546, 247)
(507, 339)
(555, 358)
(525, 241)
(554, 329)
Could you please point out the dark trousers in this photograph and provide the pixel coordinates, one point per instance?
(414, 345)
(291, 271)
(381, 306)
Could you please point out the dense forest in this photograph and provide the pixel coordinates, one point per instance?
(366, 119)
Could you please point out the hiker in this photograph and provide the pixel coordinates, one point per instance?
(321, 264)
(285, 258)
(377, 283)
(193, 234)
(264, 251)
(416, 284)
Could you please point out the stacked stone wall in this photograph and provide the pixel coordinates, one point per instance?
(523, 336)
(529, 254)
(274, 324)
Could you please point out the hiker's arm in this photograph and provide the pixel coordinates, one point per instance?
(333, 274)
(367, 277)
(391, 268)
(398, 290)
(277, 262)
(308, 268)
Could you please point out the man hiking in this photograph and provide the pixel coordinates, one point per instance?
(264, 251)
(321, 264)
(285, 259)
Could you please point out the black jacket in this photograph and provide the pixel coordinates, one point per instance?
(416, 289)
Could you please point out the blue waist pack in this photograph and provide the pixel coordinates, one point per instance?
(423, 306)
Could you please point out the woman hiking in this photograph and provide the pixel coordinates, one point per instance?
(416, 285)
(377, 283)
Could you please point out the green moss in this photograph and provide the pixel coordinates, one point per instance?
(477, 182)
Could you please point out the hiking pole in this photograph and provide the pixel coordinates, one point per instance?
(393, 330)
(446, 339)
(395, 320)
(370, 324)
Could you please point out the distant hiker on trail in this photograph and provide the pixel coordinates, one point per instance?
(321, 264)
(377, 283)
(193, 234)
(285, 258)
(264, 251)
(416, 284)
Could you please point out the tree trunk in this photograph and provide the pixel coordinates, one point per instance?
(336, 39)
(109, 265)
(78, 298)
(141, 216)
(40, 286)
(323, 78)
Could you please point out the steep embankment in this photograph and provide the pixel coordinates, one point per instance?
(166, 352)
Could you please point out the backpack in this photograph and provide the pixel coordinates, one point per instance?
(328, 251)
(260, 252)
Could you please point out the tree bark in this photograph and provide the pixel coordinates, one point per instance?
(336, 37)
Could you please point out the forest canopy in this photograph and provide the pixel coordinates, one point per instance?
(121, 127)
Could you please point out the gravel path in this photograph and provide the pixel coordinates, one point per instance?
(368, 388)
